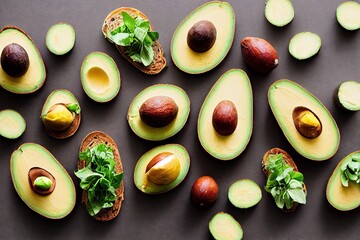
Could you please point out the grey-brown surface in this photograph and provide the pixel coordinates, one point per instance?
(172, 215)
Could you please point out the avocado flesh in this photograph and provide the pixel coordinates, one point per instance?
(34, 78)
(285, 95)
(146, 186)
(222, 16)
(152, 133)
(100, 77)
(340, 197)
(348, 95)
(12, 124)
(61, 201)
(58, 96)
(234, 85)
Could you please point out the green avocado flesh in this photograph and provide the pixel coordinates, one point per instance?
(285, 95)
(12, 124)
(244, 193)
(35, 76)
(58, 96)
(222, 15)
(340, 197)
(223, 226)
(348, 15)
(234, 85)
(146, 186)
(279, 12)
(304, 45)
(348, 95)
(157, 134)
(60, 38)
(57, 204)
(100, 77)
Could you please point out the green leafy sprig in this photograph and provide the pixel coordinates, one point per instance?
(135, 36)
(350, 171)
(99, 178)
(73, 107)
(284, 184)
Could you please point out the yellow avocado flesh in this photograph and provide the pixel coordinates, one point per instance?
(58, 96)
(34, 78)
(340, 197)
(12, 124)
(140, 178)
(284, 96)
(224, 226)
(222, 16)
(61, 201)
(235, 86)
(100, 77)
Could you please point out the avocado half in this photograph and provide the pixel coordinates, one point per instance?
(148, 187)
(35, 76)
(284, 96)
(340, 197)
(222, 15)
(233, 85)
(100, 77)
(57, 204)
(12, 124)
(152, 133)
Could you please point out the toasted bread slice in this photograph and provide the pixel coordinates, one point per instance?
(67, 132)
(93, 139)
(114, 19)
(288, 160)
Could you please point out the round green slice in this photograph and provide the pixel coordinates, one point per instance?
(304, 45)
(347, 95)
(60, 38)
(348, 15)
(279, 12)
(244, 193)
(12, 124)
(223, 226)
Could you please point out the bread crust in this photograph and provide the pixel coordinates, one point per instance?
(114, 19)
(91, 140)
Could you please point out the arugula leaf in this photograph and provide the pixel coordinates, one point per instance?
(73, 107)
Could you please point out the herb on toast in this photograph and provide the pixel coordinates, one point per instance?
(350, 171)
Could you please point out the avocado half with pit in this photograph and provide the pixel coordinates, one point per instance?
(55, 205)
(157, 133)
(233, 86)
(34, 77)
(222, 16)
(340, 197)
(163, 171)
(288, 100)
(100, 77)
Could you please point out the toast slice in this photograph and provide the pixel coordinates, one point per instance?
(67, 132)
(93, 139)
(114, 19)
(289, 161)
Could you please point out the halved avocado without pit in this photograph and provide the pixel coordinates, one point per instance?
(233, 86)
(284, 97)
(61, 201)
(222, 16)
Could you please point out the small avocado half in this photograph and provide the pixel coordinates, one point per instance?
(284, 97)
(234, 85)
(140, 178)
(100, 77)
(222, 16)
(340, 197)
(159, 133)
(35, 76)
(55, 205)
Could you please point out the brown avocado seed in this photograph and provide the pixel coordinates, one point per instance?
(163, 169)
(14, 60)
(205, 191)
(306, 122)
(225, 118)
(201, 36)
(41, 181)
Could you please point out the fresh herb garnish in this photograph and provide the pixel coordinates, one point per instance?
(99, 177)
(284, 184)
(350, 171)
(73, 107)
(135, 36)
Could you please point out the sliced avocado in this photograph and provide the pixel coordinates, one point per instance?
(223, 226)
(55, 205)
(159, 133)
(279, 12)
(304, 45)
(100, 77)
(347, 95)
(140, 179)
(234, 85)
(219, 13)
(348, 15)
(340, 197)
(35, 76)
(60, 38)
(244, 193)
(12, 124)
(284, 96)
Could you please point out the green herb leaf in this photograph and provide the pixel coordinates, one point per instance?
(73, 107)
(297, 195)
(128, 21)
(147, 55)
(153, 35)
(123, 39)
(140, 34)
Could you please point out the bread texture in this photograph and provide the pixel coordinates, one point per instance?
(114, 19)
(91, 140)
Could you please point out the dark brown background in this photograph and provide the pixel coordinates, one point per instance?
(172, 215)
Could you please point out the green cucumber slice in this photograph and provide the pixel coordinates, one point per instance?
(12, 124)
(60, 38)
(304, 45)
(348, 15)
(279, 12)
(244, 193)
(347, 95)
(223, 226)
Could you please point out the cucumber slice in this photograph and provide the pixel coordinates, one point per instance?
(347, 95)
(223, 226)
(348, 15)
(12, 124)
(304, 45)
(60, 38)
(279, 12)
(244, 193)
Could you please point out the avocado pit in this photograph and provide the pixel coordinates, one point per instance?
(58, 118)
(225, 118)
(201, 36)
(14, 60)
(163, 169)
(306, 122)
(41, 181)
